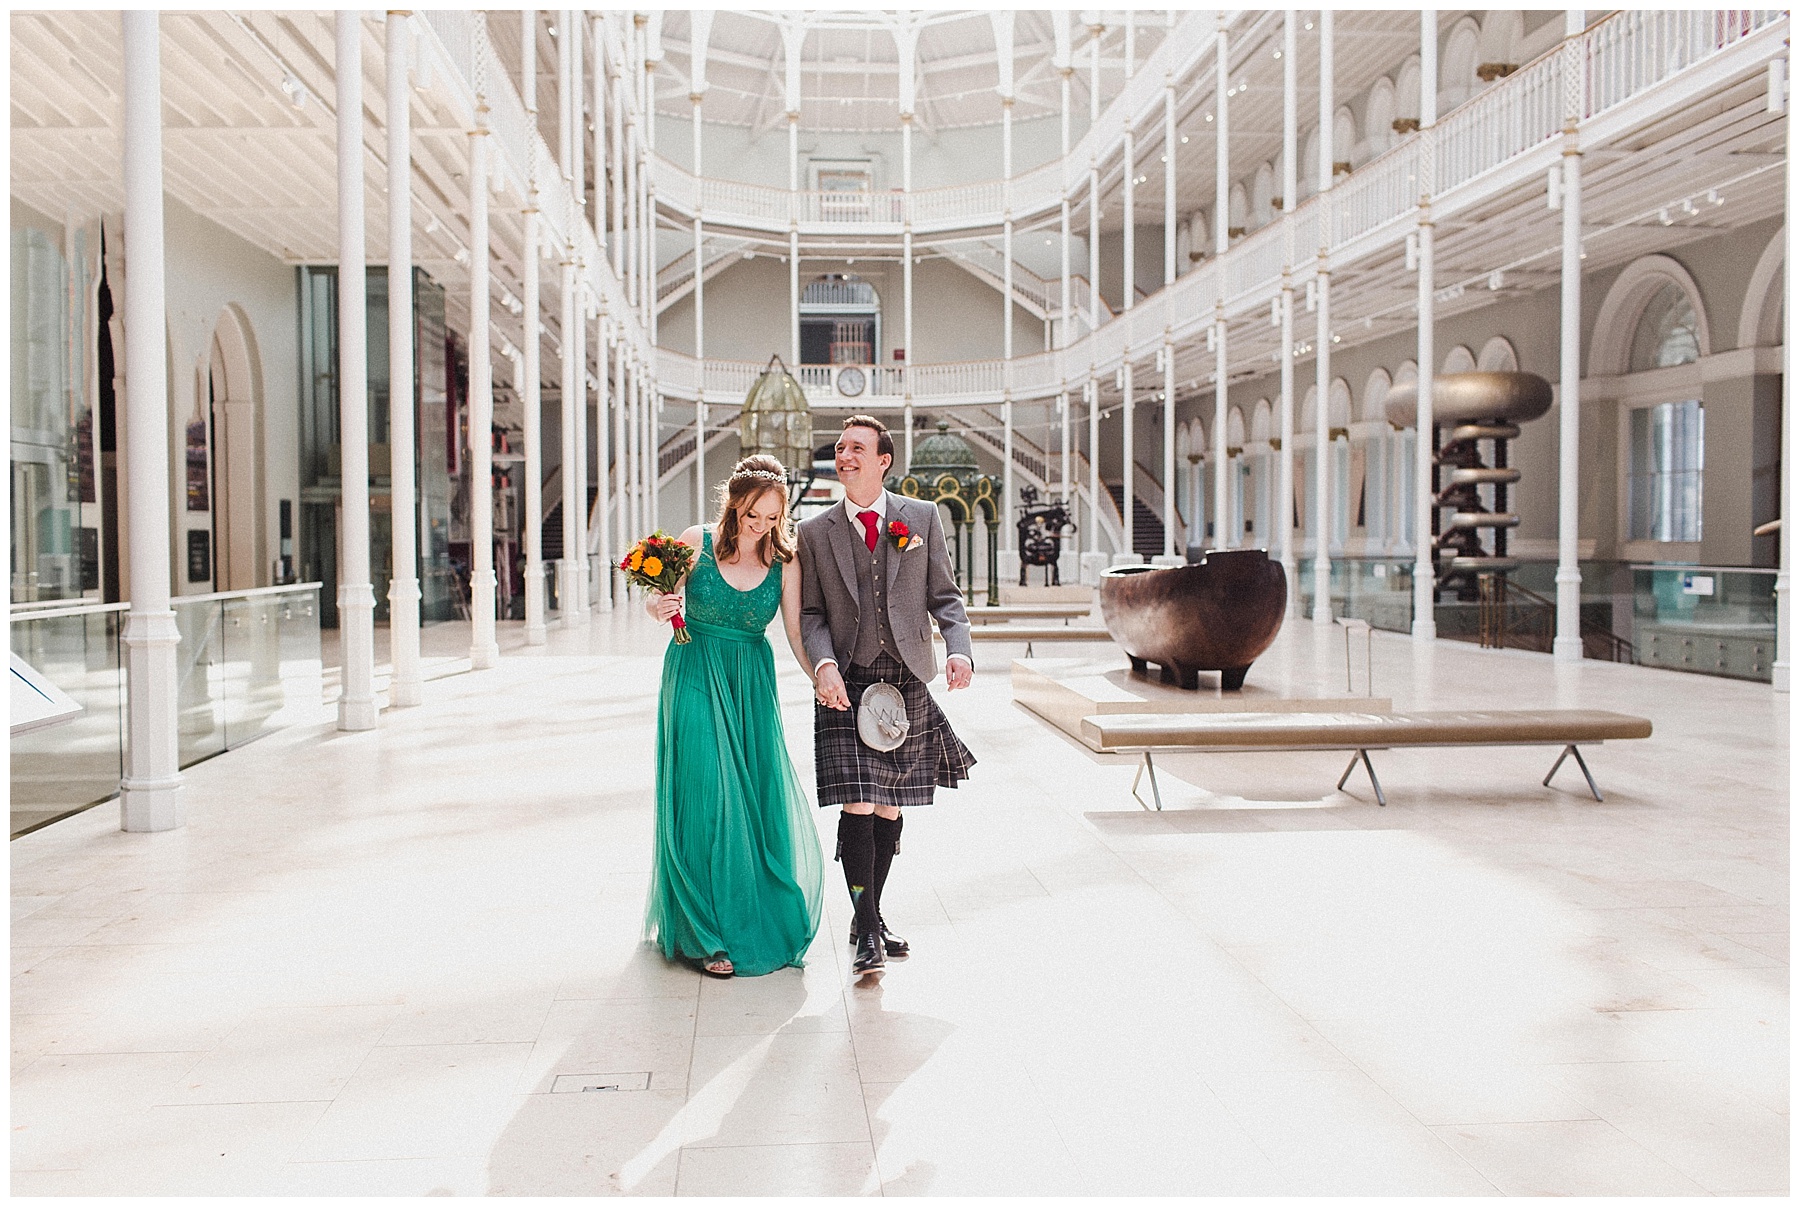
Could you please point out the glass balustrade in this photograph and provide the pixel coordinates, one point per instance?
(248, 662)
(1714, 620)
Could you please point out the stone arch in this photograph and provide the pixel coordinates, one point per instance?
(1407, 374)
(1498, 356)
(1609, 352)
(1375, 392)
(1343, 136)
(1502, 30)
(1406, 91)
(1338, 404)
(1459, 360)
(1309, 163)
(1234, 428)
(1303, 422)
(1760, 321)
(234, 389)
(1378, 118)
(1237, 208)
(1262, 193)
(1457, 81)
(1262, 422)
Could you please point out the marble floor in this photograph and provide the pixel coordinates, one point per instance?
(366, 961)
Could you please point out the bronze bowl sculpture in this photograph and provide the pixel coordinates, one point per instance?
(1217, 614)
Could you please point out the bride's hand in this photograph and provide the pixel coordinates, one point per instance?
(663, 608)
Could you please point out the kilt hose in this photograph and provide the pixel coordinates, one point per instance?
(931, 757)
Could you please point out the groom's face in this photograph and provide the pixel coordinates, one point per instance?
(859, 466)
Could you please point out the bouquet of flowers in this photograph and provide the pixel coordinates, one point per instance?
(658, 563)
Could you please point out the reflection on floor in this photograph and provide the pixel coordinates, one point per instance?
(365, 961)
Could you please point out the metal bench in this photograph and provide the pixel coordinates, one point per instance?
(1135, 733)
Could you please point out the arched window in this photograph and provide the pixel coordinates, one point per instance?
(1460, 360)
(1406, 95)
(1667, 333)
(1343, 140)
(1236, 209)
(1457, 81)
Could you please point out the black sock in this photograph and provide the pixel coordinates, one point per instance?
(887, 845)
(856, 847)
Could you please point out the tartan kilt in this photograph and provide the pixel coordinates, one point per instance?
(931, 757)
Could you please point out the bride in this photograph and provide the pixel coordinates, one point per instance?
(735, 881)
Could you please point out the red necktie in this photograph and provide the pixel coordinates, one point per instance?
(868, 523)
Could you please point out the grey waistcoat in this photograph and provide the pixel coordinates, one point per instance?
(873, 632)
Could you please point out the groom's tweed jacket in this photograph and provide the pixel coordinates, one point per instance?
(839, 591)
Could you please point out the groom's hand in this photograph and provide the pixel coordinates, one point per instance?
(958, 673)
(829, 688)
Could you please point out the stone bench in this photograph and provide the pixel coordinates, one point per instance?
(1044, 611)
(1133, 733)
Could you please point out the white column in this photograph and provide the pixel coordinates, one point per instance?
(1424, 626)
(484, 652)
(1321, 567)
(1567, 645)
(566, 590)
(597, 27)
(406, 687)
(1223, 536)
(1290, 187)
(1095, 33)
(906, 273)
(577, 118)
(1092, 395)
(150, 795)
(1170, 221)
(1779, 670)
(1129, 240)
(622, 425)
(1008, 534)
(603, 473)
(532, 399)
(618, 173)
(699, 332)
(1128, 457)
(577, 553)
(1068, 321)
(356, 598)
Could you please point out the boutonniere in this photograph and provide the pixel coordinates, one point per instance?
(901, 536)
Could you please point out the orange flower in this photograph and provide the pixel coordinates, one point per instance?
(652, 566)
(637, 558)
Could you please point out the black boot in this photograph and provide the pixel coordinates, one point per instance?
(887, 845)
(870, 956)
(856, 848)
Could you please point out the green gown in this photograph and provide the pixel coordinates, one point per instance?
(737, 866)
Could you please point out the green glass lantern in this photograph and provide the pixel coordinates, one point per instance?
(776, 420)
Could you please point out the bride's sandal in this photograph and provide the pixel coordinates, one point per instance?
(718, 966)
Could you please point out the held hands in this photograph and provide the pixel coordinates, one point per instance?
(663, 607)
(828, 688)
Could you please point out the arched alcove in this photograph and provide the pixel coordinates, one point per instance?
(1502, 30)
(1303, 422)
(1498, 356)
(1309, 164)
(1459, 360)
(1262, 422)
(1234, 428)
(1457, 81)
(1375, 392)
(1343, 139)
(1760, 321)
(1641, 283)
(1238, 208)
(1338, 404)
(235, 405)
(1378, 120)
(1262, 192)
(1406, 92)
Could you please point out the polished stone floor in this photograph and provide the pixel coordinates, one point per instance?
(364, 963)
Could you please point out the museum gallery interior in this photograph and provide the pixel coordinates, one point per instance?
(1295, 386)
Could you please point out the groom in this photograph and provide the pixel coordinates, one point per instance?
(872, 572)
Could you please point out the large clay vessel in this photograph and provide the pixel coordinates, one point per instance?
(1217, 614)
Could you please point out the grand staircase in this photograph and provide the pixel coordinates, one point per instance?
(1146, 525)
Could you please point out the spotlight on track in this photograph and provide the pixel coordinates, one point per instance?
(296, 91)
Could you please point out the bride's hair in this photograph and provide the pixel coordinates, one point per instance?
(750, 480)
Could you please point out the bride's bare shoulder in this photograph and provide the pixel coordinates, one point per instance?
(692, 536)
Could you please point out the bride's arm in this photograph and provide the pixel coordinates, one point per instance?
(663, 607)
(790, 612)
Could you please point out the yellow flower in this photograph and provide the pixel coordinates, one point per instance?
(637, 558)
(652, 566)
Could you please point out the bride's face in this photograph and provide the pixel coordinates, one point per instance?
(759, 515)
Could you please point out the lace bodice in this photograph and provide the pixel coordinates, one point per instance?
(713, 601)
